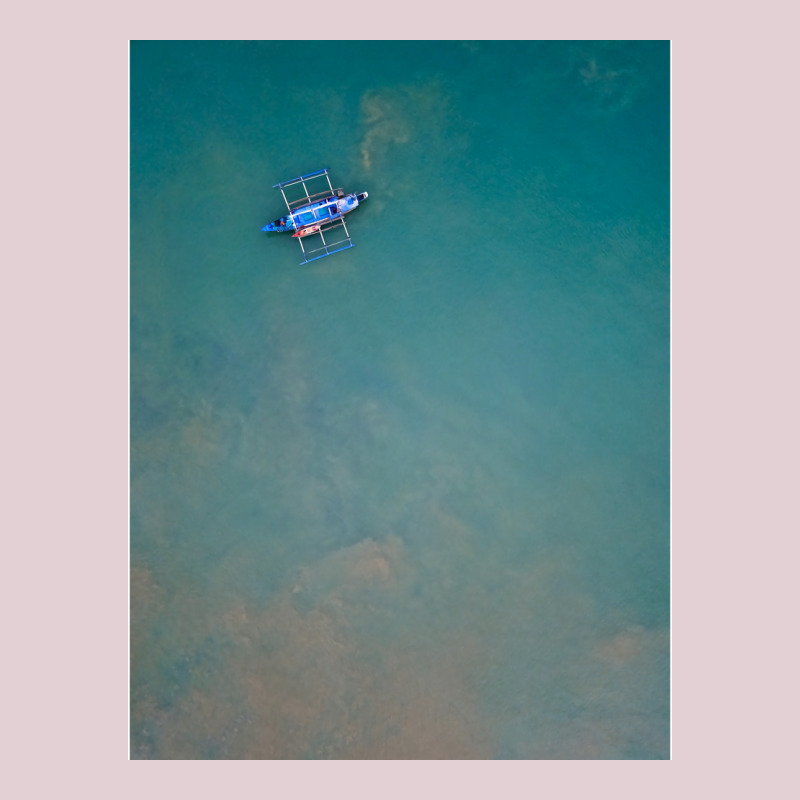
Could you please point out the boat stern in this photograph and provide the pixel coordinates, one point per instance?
(279, 226)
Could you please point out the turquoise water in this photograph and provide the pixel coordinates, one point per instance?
(412, 500)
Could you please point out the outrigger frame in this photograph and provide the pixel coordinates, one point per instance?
(328, 248)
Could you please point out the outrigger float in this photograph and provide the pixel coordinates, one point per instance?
(319, 213)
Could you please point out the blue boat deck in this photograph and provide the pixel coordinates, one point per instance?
(322, 211)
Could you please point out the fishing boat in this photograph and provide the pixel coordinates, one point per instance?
(319, 213)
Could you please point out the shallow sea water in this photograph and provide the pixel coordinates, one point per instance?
(412, 500)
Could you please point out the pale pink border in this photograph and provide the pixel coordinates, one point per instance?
(67, 419)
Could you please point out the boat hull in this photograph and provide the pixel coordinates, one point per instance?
(307, 231)
(317, 213)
